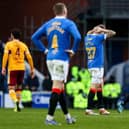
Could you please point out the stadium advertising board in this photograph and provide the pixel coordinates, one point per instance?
(1, 99)
(40, 99)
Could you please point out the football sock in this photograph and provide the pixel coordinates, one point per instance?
(62, 102)
(13, 96)
(49, 117)
(18, 94)
(67, 116)
(100, 99)
(90, 99)
(53, 103)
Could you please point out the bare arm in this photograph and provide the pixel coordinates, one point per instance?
(90, 31)
(5, 60)
(30, 61)
(108, 32)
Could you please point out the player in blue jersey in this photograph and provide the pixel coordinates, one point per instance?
(58, 31)
(94, 48)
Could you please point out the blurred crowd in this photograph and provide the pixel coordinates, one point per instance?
(77, 89)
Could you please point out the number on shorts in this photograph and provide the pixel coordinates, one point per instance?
(59, 68)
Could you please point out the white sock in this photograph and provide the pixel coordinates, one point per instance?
(88, 110)
(67, 116)
(101, 109)
(49, 117)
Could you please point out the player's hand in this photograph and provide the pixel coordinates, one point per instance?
(46, 51)
(97, 29)
(70, 52)
(3, 71)
(32, 73)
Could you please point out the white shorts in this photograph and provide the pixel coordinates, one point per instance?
(58, 69)
(96, 75)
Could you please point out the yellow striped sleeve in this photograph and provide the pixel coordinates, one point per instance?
(29, 58)
(5, 57)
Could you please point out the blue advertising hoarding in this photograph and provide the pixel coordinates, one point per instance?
(40, 99)
(1, 99)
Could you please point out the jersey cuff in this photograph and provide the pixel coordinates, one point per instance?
(46, 51)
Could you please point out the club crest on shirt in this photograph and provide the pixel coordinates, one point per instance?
(54, 51)
(88, 43)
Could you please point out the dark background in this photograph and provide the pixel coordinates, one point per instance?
(28, 15)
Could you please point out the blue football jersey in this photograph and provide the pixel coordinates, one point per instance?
(95, 49)
(58, 32)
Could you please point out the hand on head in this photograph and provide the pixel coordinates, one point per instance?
(97, 29)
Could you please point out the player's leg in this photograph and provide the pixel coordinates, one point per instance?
(99, 95)
(57, 72)
(63, 104)
(99, 85)
(54, 98)
(121, 101)
(120, 105)
(91, 95)
(11, 87)
(20, 76)
(102, 110)
(90, 104)
(63, 73)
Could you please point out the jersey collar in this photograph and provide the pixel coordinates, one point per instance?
(60, 17)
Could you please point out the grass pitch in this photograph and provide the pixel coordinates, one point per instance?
(34, 119)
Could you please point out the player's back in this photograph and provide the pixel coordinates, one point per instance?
(94, 48)
(58, 34)
(16, 54)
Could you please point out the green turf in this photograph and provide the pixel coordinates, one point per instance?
(34, 119)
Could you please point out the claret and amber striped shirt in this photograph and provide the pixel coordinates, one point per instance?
(14, 53)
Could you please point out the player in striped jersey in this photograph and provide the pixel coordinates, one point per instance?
(15, 52)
